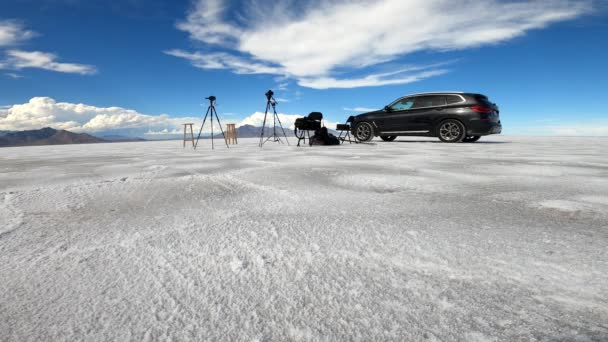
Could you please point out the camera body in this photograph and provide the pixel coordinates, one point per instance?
(269, 94)
(210, 98)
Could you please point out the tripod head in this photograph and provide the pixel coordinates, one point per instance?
(269, 94)
(211, 98)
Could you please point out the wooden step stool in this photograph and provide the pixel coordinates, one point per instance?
(191, 134)
(231, 134)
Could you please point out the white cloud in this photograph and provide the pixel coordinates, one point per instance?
(12, 33)
(18, 59)
(367, 81)
(166, 131)
(12, 75)
(315, 41)
(41, 112)
(205, 23)
(221, 60)
(257, 119)
(46, 112)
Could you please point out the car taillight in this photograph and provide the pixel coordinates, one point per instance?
(482, 109)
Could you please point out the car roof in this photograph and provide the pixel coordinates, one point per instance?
(437, 93)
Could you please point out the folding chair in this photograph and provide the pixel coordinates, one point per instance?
(345, 128)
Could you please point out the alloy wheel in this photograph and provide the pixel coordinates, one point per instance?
(363, 132)
(450, 131)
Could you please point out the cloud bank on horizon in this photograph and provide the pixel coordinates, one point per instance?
(41, 112)
(345, 44)
(12, 34)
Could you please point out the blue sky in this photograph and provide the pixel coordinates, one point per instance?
(144, 67)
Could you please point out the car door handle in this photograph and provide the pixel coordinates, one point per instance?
(438, 108)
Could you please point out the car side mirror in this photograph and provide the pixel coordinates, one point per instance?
(387, 108)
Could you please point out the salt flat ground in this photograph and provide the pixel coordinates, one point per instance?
(414, 240)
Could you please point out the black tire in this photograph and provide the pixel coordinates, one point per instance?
(471, 138)
(388, 137)
(451, 131)
(364, 132)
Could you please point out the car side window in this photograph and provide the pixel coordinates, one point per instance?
(429, 101)
(453, 99)
(403, 104)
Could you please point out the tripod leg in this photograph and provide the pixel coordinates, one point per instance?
(203, 125)
(192, 135)
(212, 109)
(298, 136)
(264, 124)
(280, 124)
(221, 129)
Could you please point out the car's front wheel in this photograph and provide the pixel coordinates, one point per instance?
(388, 137)
(471, 139)
(451, 131)
(364, 132)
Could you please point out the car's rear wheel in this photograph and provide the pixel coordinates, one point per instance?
(451, 131)
(388, 137)
(471, 138)
(364, 132)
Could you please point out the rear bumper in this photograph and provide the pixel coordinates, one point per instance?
(479, 127)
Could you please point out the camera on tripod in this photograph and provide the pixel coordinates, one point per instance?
(210, 98)
(269, 94)
(275, 119)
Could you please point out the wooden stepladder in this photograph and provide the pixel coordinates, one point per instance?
(231, 134)
(186, 125)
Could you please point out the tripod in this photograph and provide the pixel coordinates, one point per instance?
(211, 110)
(275, 117)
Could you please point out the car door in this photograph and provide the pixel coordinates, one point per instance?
(411, 114)
(396, 116)
(427, 109)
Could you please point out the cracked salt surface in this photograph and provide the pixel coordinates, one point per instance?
(405, 241)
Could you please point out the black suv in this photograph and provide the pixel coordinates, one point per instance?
(450, 116)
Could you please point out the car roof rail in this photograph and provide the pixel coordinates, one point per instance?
(438, 92)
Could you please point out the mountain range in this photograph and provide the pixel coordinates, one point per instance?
(249, 131)
(50, 136)
(46, 136)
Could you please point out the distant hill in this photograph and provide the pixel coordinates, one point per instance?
(249, 131)
(46, 136)
(5, 132)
